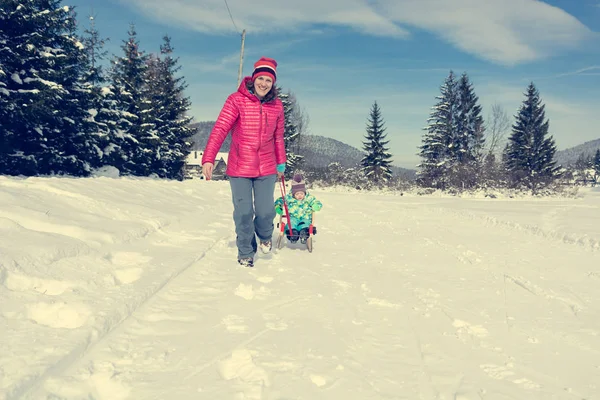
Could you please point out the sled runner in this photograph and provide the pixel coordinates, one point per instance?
(289, 233)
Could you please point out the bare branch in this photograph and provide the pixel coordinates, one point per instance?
(498, 125)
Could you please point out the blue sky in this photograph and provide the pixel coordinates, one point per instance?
(339, 56)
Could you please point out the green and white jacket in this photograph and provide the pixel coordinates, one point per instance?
(300, 210)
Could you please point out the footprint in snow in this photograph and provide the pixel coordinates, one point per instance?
(128, 266)
(247, 292)
(234, 323)
(59, 314)
(22, 283)
(274, 323)
(249, 379)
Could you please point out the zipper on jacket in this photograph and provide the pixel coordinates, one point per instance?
(259, 137)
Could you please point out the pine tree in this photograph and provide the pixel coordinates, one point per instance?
(529, 154)
(102, 116)
(128, 149)
(43, 91)
(434, 151)
(291, 132)
(466, 152)
(169, 108)
(94, 53)
(8, 107)
(377, 160)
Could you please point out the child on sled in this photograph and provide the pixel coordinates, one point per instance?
(301, 205)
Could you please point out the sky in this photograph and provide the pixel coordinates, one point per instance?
(339, 57)
(107, 294)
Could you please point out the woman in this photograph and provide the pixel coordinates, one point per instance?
(254, 115)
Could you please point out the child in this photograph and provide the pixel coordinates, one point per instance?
(300, 205)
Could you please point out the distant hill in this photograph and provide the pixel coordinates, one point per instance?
(569, 156)
(318, 151)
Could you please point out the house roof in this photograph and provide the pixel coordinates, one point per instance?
(195, 157)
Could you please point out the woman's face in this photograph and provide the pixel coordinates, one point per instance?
(262, 85)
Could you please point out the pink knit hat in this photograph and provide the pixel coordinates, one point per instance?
(265, 67)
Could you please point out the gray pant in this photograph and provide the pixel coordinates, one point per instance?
(252, 214)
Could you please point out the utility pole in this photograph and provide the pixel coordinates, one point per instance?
(241, 58)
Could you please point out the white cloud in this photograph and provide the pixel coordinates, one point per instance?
(591, 70)
(211, 16)
(506, 32)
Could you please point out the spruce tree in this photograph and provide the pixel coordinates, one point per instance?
(466, 150)
(94, 53)
(529, 154)
(128, 149)
(291, 132)
(102, 117)
(438, 139)
(8, 107)
(377, 160)
(169, 112)
(42, 91)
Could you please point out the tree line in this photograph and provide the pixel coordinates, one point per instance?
(458, 154)
(62, 113)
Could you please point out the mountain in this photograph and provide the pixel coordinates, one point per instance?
(569, 156)
(318, 151)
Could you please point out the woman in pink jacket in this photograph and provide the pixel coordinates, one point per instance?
(254, 115)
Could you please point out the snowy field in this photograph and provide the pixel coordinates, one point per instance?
(114, 289)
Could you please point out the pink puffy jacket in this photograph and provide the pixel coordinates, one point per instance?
(257, 144)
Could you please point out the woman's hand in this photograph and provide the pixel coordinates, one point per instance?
(207, 170)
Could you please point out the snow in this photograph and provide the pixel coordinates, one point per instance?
(16, 78)
(50, 84)
(105, 91)
(33, 91)
(128, 288)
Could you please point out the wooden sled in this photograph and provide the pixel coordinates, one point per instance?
(282, 226)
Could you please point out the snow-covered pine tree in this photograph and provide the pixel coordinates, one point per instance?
(102, 116)
(8, 107)
(169, 109)
(466, 149)
(291, 133)
(128, 147)
(94, 53)
(377, 161)
(434, 153)
(529, 154)
(43, 129)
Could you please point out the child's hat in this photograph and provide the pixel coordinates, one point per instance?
(265, 67)
(298, 184)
